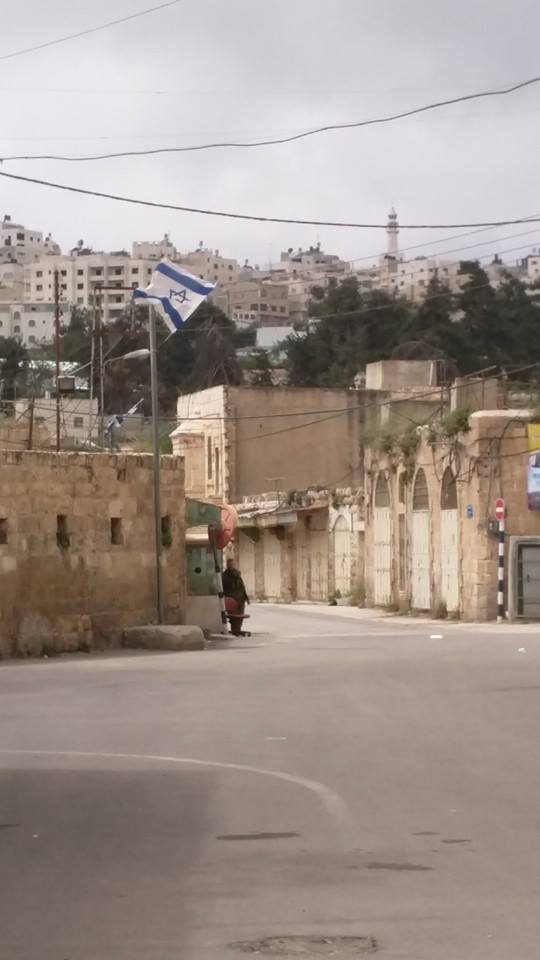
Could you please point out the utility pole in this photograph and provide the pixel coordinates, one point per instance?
(101, 371)
(156, 452)
(57, 352)
(31, 424)
(92, 359)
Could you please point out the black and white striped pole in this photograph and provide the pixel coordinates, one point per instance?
(500, 515)
(213, 532)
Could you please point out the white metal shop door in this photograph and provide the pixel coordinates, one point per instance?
(319, 564)
(449, 542)
(342, 556)
(382, 556)
(302, 560)
(272, 566)
(420, 545)
(449, 559)
(382, 543)
(420, 562)
(246, 562)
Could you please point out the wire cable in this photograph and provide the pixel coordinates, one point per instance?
(431, 243)
(85, 33)
(315, 131)
(259, 218)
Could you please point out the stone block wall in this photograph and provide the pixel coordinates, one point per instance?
(489, 461)
(77, 561)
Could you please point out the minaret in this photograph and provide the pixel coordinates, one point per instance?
(392, 233)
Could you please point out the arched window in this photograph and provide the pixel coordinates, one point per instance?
(420, 492)
(448, 490)
(382, 492)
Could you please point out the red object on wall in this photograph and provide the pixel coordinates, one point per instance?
(223, 532)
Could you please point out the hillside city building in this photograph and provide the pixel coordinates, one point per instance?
(277, 297)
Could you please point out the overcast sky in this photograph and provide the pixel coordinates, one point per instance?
(210, 69)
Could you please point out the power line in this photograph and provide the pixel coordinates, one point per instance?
(260, 218)
(435, 392)
(315, 131)
(357, 311)
(431, 243)
(84, 33)
(333, 414)
(454, 263)
(400, 302)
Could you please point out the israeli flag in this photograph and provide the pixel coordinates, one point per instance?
(176, 294)
(119, 418)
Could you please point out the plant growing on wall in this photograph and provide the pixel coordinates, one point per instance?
(449, 427)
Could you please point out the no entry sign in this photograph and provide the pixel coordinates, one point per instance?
(499, 509)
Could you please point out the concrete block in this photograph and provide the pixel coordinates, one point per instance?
(164, 638)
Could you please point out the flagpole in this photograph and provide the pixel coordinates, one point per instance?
(155, 449)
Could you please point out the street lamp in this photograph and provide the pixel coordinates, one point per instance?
(139, 355)
(131, 355)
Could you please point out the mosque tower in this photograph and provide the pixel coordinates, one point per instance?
(392, 234)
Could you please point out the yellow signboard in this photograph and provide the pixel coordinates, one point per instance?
(533, 470)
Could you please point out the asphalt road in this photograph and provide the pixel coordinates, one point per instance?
(328, 777)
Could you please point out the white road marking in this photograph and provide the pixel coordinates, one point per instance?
(335, 806)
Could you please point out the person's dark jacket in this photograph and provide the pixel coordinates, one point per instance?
(233, 586)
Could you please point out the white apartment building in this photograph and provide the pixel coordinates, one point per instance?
(22, 245)
(78, 416)
(82, 274)
(262, 302)
(313, 263)
(30, 323)
(11, 274)
(532, 266)
(210, 265)
(154, 249)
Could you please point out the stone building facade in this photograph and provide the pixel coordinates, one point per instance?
(242, 441)
(309, 549)
(77, 560)
(430, 531)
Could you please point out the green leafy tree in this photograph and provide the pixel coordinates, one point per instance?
(352, 330)
(75, 337)
(262, 369)
(13, 364)
(200, 354)
(476, 303)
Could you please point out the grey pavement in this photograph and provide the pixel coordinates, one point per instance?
(330, 776)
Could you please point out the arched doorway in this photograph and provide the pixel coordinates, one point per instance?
(420, 545)
(449, 542)
(342, 556)
(382, 543)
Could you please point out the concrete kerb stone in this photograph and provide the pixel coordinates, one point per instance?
(154, 637)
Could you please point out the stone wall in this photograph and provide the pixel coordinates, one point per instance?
(77, 559)
(237, 440)
(487, 462)
(21, 435)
